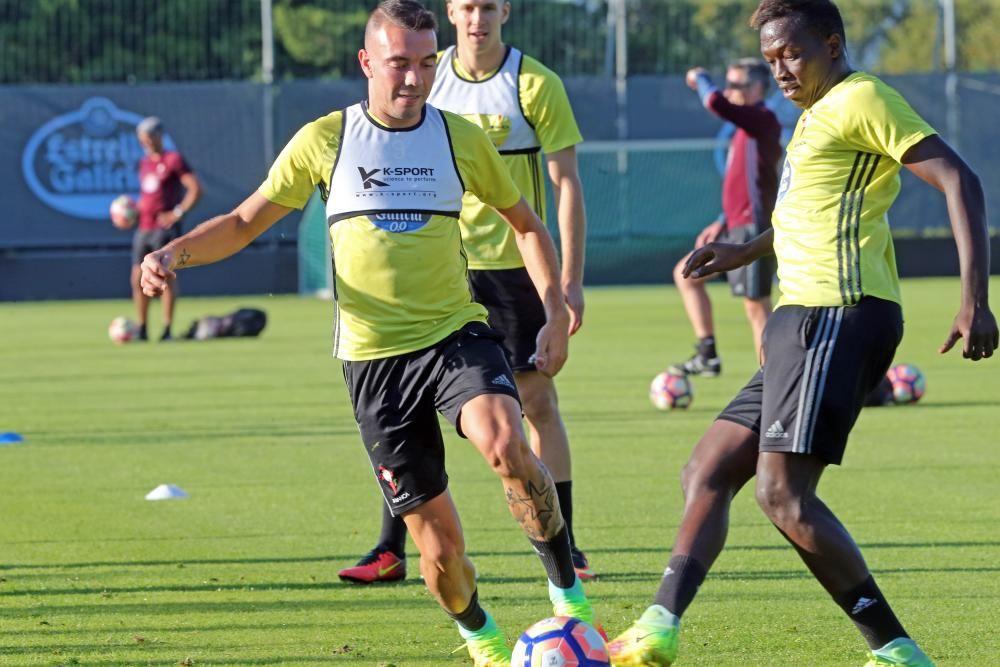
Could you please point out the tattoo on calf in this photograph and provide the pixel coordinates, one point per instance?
(535, 511)
(185, 256)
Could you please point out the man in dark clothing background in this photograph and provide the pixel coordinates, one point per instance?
(749, 188)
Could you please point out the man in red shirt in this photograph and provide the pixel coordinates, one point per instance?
(168, 190)
(749, 188)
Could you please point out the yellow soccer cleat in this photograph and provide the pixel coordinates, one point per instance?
(489, 651)
(649, 642)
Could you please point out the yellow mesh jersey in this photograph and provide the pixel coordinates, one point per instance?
(396, 292)
(841, 175)
(489, 241)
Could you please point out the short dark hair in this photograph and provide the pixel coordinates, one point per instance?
(821, 16)
(756, 69)
(408, 14)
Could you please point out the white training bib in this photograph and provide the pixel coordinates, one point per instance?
(493, 103)
(399, 178)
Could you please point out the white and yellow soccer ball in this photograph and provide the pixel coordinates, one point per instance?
(122, 330)
(561, 641)
(124, 212)
(671, 391)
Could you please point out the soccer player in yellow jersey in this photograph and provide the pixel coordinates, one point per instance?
(393, 170)
(524, 109)
(833, 334)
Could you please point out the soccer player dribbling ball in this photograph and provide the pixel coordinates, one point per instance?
(411, 339)
(524, 109)
(833, 335)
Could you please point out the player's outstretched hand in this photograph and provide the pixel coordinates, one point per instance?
(691, 78)
(156, 271)
(552, 345)
(714, 258)
(574, 302)
(978, 328)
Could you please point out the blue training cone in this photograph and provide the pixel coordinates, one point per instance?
(10, 438)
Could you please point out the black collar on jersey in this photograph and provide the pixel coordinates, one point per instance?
(364, 110)
(497, 71)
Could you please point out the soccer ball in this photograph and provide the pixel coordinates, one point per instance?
(122, 330)
(561, 641)
(124, 212)
(670, 391)
(908, 383)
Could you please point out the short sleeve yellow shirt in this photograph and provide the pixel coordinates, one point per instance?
(841, 175)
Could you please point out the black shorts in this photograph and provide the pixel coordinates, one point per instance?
(754, 280)
(145, 241)
(514, 310)
(395, 402)
(820, 364)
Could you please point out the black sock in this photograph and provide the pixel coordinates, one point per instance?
(142, 331)
(565, 492)
(473, 618)
(706, 347)
(868, 608)
(393, 535)
(680, 584)
(556, 558)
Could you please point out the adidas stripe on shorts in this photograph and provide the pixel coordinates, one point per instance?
(820, 363)
(396, 401)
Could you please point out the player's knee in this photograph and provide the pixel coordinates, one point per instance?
(699, 477)
(540, 407)
(779, 503)
(679, 272)
(508, 452)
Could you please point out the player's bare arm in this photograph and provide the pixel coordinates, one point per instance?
(211, 241)
(934, 161)
(718, 257)
(542, 263)
(565, 176)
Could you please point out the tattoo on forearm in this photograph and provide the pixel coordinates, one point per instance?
(185, 256)
(535, 510)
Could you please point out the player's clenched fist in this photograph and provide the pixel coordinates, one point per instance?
(157, 270)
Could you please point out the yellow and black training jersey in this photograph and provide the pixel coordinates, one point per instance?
(841, 175)
(393, 200)
(524, 109)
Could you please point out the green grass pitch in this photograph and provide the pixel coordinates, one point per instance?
(259, 432)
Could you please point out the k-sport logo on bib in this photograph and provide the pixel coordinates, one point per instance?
(77, 163)
(411, 180)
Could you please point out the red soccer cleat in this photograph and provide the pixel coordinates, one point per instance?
(375, 566)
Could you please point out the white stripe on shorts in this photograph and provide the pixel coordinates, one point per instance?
(814, 374)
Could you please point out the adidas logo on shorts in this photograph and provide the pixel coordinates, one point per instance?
(776, 431)
(503, 381)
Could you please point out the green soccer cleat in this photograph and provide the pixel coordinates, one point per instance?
(487, 646)
(572, 602)
(649, 642)
(902, 651)
(490, 651)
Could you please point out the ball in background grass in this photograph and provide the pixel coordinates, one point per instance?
(671, 391)
(908, 383)
(124, 212)
(122, 330)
